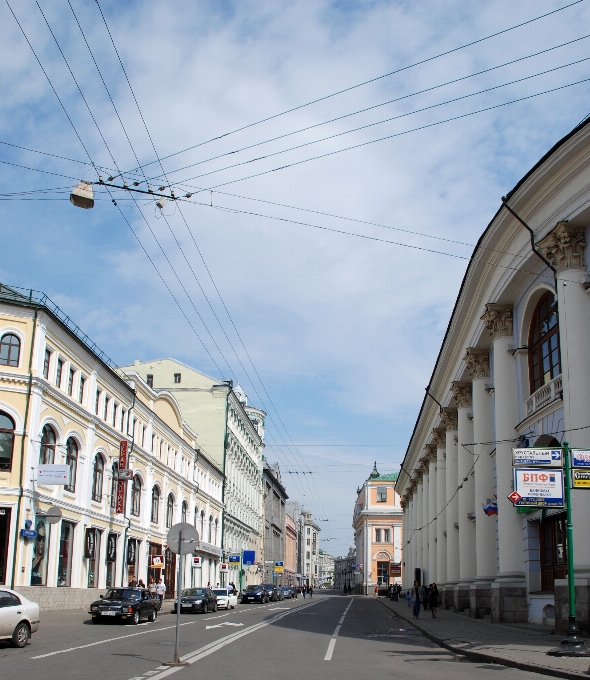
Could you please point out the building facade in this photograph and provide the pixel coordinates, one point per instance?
(377, 524)
(275, 497)
(63, 402)
(513, 370)
(231, 435)
(325, 569)
(291, 551)
(344, 568)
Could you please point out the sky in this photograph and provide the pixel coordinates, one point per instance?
(334, 334)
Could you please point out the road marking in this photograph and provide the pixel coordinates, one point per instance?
(335, 634)
(102, 642)
(225, 623)
(221, 616)
(274, 609)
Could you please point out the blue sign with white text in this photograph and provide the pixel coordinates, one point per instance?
(279, 564)
(234, 558)
(249, 557)
(28, 533)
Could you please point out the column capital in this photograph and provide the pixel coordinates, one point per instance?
(438, 437)
(564, 247)
(498, 320)
(449, 419)
(429, 453)
(461, 393)
(477, 362)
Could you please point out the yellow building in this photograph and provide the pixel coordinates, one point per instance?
(63, 402)
(377, 524)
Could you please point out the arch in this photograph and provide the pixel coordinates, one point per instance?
(14, 414)
(97, 477)
(170, 510)
(6, 441)
(10, 346)
(72, 452)
(57, 428)
(48, 444)
(546, 440)
(184, 511)
(136, 495)
(383, 555)
(543, 343)
(529, 306)
(166, 407)
(155, 513)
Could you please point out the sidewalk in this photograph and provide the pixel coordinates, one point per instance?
(521, 646)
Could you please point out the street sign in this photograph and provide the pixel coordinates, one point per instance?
(249, 557)
(279, 564)
(125, 475)
(279, 570)
(190, 536)
(538, 457)
(53, 474)
(234, 558)
(538, 488)
(52, 515)
(581, 479)
(223, 566)
(28, 533)
(580, 458)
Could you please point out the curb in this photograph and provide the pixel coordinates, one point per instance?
(488, 658)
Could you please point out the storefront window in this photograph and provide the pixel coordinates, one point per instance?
(131, 559)
(64, 565)
(93, 561)
(40, 552)
(111, 560)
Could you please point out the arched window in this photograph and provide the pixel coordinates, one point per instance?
(169, 511)
(9, 350)
(184, 511)
(72, 463)
(97, 477)
(202, 533)
(544, 361)
(155, 504)
(114, 484)
(136, 496)
(215, 532)
(47, 455)
(196, 516)
(6, 441)
(210, 530)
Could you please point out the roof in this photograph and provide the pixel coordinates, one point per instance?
(391, 477)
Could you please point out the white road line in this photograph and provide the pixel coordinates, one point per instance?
(335, 634)
(102, 642)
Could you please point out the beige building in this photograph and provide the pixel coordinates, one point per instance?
(290, 551)
(62, 401)
(231, 434)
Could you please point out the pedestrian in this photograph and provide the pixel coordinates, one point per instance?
(132, 582)
(141, 584)
(376, 590)
(417, 594)
(304, 591)
(310, 591)
(408, 597)
(160, 590)
(425, 594)
(217, 586)
(152, 587)
(433, 599)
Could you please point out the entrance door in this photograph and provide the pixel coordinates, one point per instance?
(156, 574)
(170, 574)
(553, 551)
(382, 573)
(4, 524)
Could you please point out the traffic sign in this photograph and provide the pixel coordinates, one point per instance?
(190, 536)
(515, 497)
(52, 515)
(249, 557)
(234, 558)
(542, 457)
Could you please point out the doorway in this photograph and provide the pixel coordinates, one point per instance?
(4, 526)
(170, 574)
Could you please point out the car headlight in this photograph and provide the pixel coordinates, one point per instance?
(198, 601)
(94, 609)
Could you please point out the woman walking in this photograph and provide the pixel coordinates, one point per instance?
(433, 599)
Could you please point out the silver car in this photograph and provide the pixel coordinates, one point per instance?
(19, 617)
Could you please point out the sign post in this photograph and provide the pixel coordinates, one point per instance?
(572, 644)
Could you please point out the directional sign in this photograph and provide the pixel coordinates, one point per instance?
(580, 458)
(234, 558)
(515, 497)
(538, 488)
(581, 479)
(249, 557)
(538, 457)
(226, 623)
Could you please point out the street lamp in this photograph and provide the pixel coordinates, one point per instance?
(82, 195)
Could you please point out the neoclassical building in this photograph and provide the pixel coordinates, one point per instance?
(513, 370)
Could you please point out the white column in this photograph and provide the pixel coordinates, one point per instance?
(414, 527)
(419, 522)
(478, 364)
(432, 511)
(441, 495)
(449, 417)
(425, 519)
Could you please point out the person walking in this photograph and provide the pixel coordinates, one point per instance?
(408, 597)
(160, 590)
(304, 591)
(433, 599)
(425, 594)
(310, 591)
(152, 587)
(417, 594)
(141, 584)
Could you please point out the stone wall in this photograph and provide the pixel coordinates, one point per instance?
(52, 599)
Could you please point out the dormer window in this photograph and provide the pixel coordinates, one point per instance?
(150, 380)
(177, 378)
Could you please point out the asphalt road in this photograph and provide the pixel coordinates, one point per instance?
(329, 636)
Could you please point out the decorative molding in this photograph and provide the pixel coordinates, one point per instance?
(430, 452)
(461, 393)
(564, 247)
(498, 320)
(477, 362)
(449, 419)
(438, 437)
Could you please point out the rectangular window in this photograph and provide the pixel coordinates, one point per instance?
(60, 365)
(105, 412)
(46, 363)
(64, 564)
(381, 494)
(143, 431)
(150, 380)
(133, 429)
(387, 535)
(377, 535)
(177, 378)
(71, 381)
(153, 443)
(123, 414)
(114, 418)
(97, 403)
(308, 530)
(81, 389)
(307, 554)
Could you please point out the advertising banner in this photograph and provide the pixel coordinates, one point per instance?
(540, 457)
(112, 548)
(395, 569)
(538, 488)
(53, 474)
(279, 570)
(580, 458)
(89, 543)
(581, 479)
(131, 545)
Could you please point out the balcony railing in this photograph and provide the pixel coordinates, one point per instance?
(544, 395)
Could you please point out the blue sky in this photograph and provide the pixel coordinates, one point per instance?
(343, 331)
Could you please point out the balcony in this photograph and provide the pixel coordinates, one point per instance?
(544, 395)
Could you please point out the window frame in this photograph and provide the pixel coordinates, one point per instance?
(169, 510)
(59, 371)
(47, 447)
(81, 388)
(536, 346)
(11, 432)
(47, 362)
(97, 478)
(9, 361)
(136, 487)
(72, 463)
(381, 494)
(155, 516)
(71, 376)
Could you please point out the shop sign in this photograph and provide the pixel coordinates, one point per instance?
(223, 566)
(89, 543)
(581, 479)
(279, 570)
(197, 562)
(120, 504)
(53, 474)
(131, 544)
(156, 561)
(540, 457)
(395, 569)
(538, 488)
(580, 458)
(112, 548)
(125, 475)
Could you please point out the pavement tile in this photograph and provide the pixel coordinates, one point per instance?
(517, 646)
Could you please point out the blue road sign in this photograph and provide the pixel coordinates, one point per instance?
(234, 558)
(279, 564)
(249, 557)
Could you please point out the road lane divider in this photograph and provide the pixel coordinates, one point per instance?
(335, 634)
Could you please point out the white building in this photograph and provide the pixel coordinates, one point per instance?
(513, 369)
(325, 569)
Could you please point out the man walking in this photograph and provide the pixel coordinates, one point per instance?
(160, 590)
(416, 596)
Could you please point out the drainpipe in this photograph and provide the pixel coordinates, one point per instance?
(125, 483)
(222, 575)
(22, 446)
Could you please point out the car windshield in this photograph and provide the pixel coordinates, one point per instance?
(285, 589)
(193, 592)
(253, 588)
(123, 594)
(220, 591)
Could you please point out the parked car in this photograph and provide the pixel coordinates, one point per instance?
(280, 593)
(19, 617)
(225, 598)
(271, 589)
(287, 592)
(257, 593)
(125, 605)
(197, 600)
(295, 592)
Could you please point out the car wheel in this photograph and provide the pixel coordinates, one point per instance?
(21, 635)
(153, 616)
(95, 620)
(135, 619)
(206, 609)
(215, 607)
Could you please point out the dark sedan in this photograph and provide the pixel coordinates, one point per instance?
(255, 594)
(271, 589)
(126, 605)
(197, 600)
